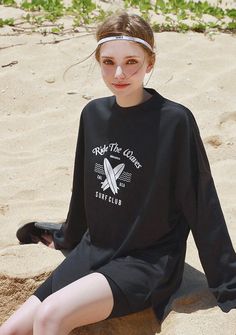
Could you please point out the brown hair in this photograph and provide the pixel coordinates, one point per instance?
(129, 25)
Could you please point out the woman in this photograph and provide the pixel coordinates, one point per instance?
(141, 182)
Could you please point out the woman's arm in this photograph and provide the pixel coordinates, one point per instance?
(201, 209)
(75, 226)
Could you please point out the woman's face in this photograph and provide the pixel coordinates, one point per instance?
(123, 67)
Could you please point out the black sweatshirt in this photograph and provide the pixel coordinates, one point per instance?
(141, 181)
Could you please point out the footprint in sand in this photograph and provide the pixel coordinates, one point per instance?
(228, 122)
(4, 209)
(228, 119)
(214, 140)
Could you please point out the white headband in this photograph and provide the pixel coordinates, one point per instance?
(126, 38)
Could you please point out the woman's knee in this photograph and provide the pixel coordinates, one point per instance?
(9, 330)
(48, 315)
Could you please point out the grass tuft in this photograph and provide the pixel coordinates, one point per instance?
(178, 15)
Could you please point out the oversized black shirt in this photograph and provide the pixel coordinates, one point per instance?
(141, 182)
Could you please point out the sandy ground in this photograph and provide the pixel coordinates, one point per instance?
(39, 115)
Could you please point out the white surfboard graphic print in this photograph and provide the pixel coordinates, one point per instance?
(117, 172)
(111, 176)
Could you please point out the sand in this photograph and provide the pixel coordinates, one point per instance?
(39, 116)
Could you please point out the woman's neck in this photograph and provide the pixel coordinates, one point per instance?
(135, 99)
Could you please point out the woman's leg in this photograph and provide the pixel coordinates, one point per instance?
(21, 322)
(87, 300)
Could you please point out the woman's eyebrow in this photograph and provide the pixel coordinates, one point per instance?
(132, 56)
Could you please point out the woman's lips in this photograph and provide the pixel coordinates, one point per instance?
(120, 85)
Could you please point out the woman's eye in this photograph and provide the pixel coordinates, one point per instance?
(108, 62)
(132, 61)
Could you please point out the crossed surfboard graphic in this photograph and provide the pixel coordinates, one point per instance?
(111, 176)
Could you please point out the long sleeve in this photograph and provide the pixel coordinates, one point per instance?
(201, 209)
(75, 225)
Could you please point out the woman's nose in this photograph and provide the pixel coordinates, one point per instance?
(119, 72)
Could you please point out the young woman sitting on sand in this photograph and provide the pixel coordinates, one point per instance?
(141, 182)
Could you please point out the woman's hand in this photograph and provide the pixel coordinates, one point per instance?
(45, 238)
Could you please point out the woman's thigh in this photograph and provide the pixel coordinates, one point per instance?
(84, 301)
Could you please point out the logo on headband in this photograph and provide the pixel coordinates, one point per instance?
(119, 37)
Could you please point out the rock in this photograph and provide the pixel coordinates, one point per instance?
(14, 291)
(24, 268)
(50, 80)
(142, 323)
(192, 309)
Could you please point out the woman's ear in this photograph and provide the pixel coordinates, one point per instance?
(149, 68)
(151, 63)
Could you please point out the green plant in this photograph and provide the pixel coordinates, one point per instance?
(231, 13)
(199, 27)
(175, 13)
(231, 27)
(57, 30)
(82, 10)
(86, 6)
(7, 22)
(102, 14)
(47, 5)
(8, 3)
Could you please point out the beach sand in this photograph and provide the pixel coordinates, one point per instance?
(39, 117)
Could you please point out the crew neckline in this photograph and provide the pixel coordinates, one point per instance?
(139, 107)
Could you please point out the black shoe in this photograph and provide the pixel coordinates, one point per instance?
(26, 234)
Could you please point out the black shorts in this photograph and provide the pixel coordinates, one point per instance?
(121, 305)
(131, 280)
